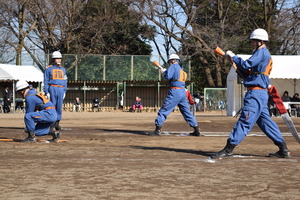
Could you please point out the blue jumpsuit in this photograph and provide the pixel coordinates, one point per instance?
(55, 83)
(255, 110)
(176, 97)
(38, 121)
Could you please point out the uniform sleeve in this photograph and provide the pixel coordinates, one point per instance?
(169, 73)
(30, 105)
(46, 80)
(253, 61)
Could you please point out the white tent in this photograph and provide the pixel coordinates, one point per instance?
(285, 75)
(13, 73)
(18, 72)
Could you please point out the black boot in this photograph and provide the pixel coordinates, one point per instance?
(283, 151)
(226, 152)
(196, 132)
(55, 135)
(30, 138)
(157, 131)
(57, 126)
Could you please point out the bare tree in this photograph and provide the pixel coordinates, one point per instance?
(185, 22)
(14, 14)
(200, 25)
(58, 21)
(287, 30)
(6, 54)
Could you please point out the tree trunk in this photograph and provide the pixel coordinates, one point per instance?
(209, 78)
(207, 71)
(219, 75)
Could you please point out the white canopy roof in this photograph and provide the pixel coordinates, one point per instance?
(18, 72)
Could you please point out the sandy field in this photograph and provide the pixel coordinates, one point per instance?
(109, 156)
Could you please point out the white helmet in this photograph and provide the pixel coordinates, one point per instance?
(259, 34)
(21, 84)
(56, 54)
(174, 57)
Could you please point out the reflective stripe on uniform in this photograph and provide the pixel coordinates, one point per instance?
(57, 85)
(176, 88)
(256, 88)
(47, 108)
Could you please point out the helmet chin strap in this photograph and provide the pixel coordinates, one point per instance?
(171, 62)
(259, 44)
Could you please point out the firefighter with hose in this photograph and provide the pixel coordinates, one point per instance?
(255, 71)
(40, 113)
(176, 97)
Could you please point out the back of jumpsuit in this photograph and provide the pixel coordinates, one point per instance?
(55, 83)
(176, 97)
(256, 70)
(40, 115)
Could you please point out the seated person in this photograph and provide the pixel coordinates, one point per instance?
(96, 104)
(296, 98)
(77, 105)
(285, 97)
(20, 106)
(137, 104)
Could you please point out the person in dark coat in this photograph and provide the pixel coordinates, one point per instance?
(6, 100)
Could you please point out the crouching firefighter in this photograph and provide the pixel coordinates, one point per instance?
(176, 97)
(40, 113)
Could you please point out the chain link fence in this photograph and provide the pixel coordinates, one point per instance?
(103, 67)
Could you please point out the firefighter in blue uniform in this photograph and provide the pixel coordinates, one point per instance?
(255, 71)
(40, 113)
(55, 85)
(176, 97)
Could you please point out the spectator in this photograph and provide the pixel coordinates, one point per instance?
(197, 101)
(96, 104)
(285, 97)
(20, 106)
(137, 104)
(6, 100)
(77, 105)
(296, 98)
(121, 100)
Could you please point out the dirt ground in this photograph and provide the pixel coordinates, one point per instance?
(109, 156)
